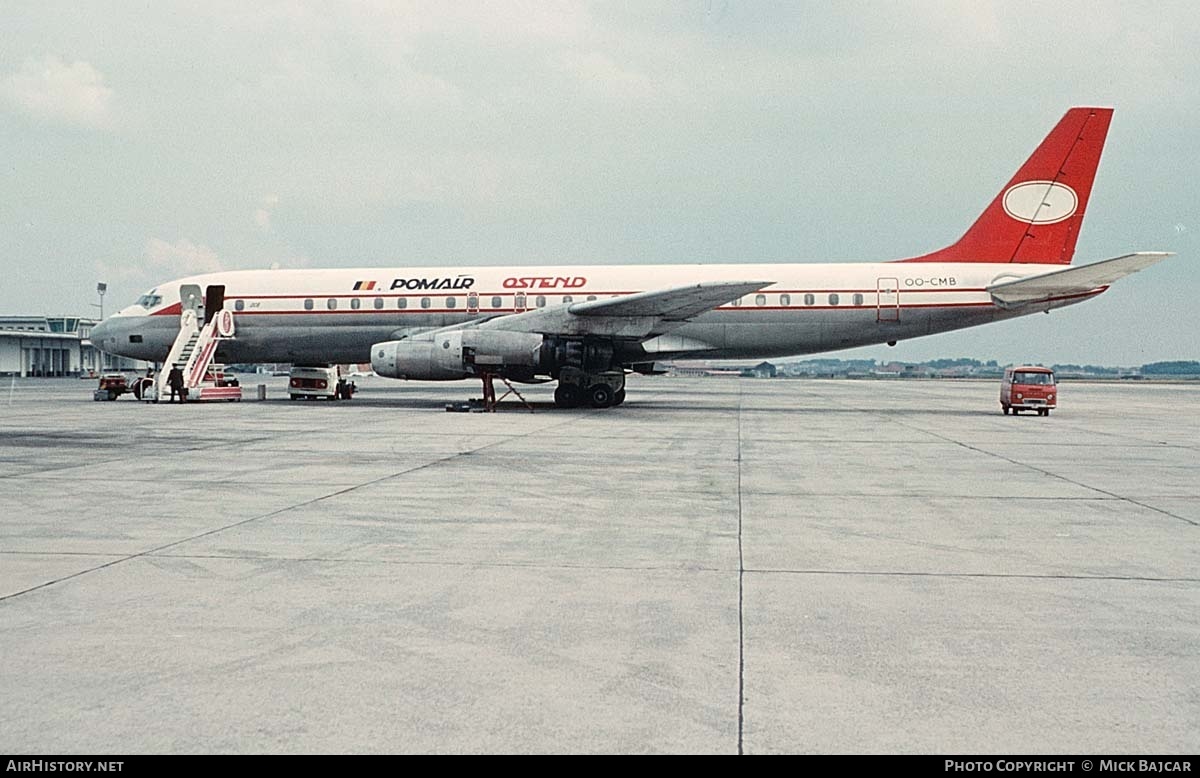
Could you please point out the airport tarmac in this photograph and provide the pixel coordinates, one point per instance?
(719, 565)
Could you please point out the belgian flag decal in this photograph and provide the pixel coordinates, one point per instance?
(364, 286)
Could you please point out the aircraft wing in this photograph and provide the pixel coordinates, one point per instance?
(638, 316)
(1071, 280)
(676, 304)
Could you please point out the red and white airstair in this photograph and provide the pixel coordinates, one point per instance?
(193, 352)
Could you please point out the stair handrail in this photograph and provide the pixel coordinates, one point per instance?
(201, 356)
(188, 326)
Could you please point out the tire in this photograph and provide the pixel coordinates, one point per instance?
(600, 395)
(618, 398)
(1005, 409)
(566, 396)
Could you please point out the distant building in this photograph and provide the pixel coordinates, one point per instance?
(761, 370)
(704, 369)
(54, 346)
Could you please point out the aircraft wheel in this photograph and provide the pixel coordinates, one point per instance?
(600, 395)
(1005, 409)
(619, 397)
(566, 396)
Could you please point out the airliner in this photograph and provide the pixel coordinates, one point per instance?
(587, 327)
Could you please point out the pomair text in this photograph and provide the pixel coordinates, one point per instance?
(458, 282)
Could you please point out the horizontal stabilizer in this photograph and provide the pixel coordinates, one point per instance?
(1072, 280)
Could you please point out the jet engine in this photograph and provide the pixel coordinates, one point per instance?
(459, 354)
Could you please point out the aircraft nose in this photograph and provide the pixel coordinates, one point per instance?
(101, 331)
(106, 335)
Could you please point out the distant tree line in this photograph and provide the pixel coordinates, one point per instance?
(980, 367)
(1172, 368)
(945, 364)
(1089, 369)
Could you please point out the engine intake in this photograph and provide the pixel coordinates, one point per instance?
(459, 354)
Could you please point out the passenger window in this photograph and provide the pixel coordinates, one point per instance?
(378, 303)
(785, 299)
(496, 301)
(401, 302)
(833, 299)
(355, 303)
(858, 299)
(591, 297)
(760, 299)
(425, 302)
(239, 305)
(541, 301)
(567, 298)
(308, 304)
(449, 302)
(331, 304)
(810, 299)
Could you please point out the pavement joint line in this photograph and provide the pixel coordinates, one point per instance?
(1043, 471)
(1142, 442)
(338, 493)
(628, 568)
(1068, 480)
(1017, 576)
(741, 592)
(945, 496)
(747, 490)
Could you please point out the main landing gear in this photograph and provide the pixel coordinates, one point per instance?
(598, 390)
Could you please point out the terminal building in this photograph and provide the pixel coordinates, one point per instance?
(49, 346)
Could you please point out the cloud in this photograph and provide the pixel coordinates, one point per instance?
(596, 71)
(182, 257)
(52, 89)
(262, 214)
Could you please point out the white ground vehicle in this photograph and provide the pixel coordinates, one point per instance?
(317, 381)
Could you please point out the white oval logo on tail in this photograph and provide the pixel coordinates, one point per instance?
(1040, 202)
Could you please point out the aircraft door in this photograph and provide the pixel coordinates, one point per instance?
(214, 301)
(889, 300)
(190, 301)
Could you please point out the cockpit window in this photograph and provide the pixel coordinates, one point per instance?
(149, 299)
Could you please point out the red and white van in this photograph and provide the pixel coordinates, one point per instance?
(319, 381)
(1029, 388)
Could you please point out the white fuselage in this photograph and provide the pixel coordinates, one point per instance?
(328, 316)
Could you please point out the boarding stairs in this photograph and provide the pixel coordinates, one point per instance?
(193, 350)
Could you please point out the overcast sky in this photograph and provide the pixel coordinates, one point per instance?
(145, 141)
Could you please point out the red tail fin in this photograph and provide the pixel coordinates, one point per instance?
(1037, 216)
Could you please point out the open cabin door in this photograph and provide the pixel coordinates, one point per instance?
(214, 301)
(191, 300)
